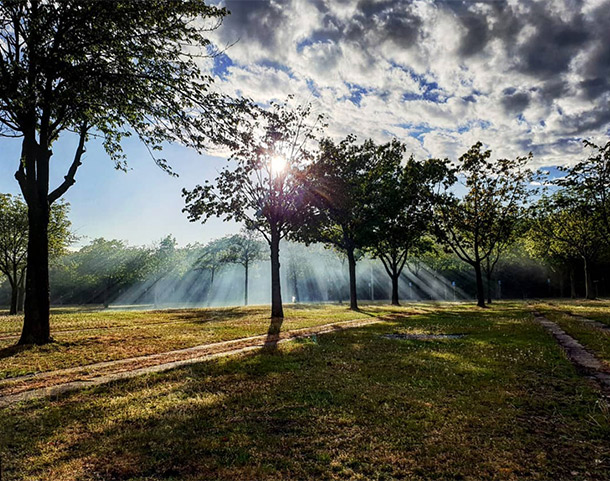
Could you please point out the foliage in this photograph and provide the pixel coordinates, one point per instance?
(476, 224)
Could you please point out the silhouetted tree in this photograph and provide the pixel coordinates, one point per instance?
(402, 209)
(342, 183)
(264, 185)
(109, 69)
(496, 192)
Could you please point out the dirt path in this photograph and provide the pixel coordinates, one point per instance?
(53, 383)
(584, 360)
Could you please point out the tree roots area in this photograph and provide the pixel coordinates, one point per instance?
(442, 391)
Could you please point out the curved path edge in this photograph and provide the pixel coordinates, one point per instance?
(577, 354)
(184, 357)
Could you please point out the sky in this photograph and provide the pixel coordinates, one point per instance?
(520, 76)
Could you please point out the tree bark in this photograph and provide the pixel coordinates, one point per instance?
(36, 328)
(395, 301)
(277, 311)
(21, 292)
(589, 294)
(246, 284)
(14, 298)
(480, 287)
(353, 296)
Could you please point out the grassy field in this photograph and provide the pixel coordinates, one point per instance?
(502, 402)
(564, 312)
(85, 337)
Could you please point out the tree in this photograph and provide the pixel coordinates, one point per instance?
(341, 185)
(403, 210)
(590, 179)
(572, 227)
(214, 256)
(105, 69)
(245, 249)
(496, 193)
(14, 242)
(264, 185)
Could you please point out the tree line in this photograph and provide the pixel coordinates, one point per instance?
(117, 69)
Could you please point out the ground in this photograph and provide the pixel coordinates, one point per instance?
(503, 402)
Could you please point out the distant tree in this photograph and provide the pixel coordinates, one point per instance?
(106, 69)
(590, 180)
(215, 255)
(14, 242)
(246, 249)
(572, 228)
(489, 211)
(105, 267)
(264, 186)
(403, 207)
(163, 261)
(342, 183)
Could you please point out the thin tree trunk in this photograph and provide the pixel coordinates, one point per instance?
(246, 284)
(480, 287)
(353, 296)
(488, 279)
(572, 283)
(395, 301)
(21, 292)
(36, 329)
(589, 294)
(14, 297)
(277, 311)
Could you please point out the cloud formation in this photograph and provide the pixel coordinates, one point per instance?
(439, 75)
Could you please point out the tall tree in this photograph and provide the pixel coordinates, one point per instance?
(402, 210)
(496, 193)
(14, 242)
(263, 186)
(109, 69)
(341, 185)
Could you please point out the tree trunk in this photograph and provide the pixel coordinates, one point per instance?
(353, 297)
(572, 283)
(21, 292)
(246, 284)
(36, 328)
(277, 311)
(295, 287)
(480, 286)
(589, 294)
(14, 298)
(395, 301)
(488, 279)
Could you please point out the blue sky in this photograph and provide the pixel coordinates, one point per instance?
(438, 75)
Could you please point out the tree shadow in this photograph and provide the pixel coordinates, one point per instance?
(273, 334)
(10, 351)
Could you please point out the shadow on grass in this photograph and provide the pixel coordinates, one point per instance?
(351, 405)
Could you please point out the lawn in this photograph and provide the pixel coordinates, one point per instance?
(502, 402)
(594, 339)
(85, 337)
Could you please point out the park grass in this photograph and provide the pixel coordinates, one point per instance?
(83, 337)
(592, 338)
(501, 403)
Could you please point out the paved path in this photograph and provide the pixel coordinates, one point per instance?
(53, 383)
(596, 324)
(583, 359)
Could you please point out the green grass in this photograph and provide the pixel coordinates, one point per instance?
(86, 337)
(501, 403)
(594, 339)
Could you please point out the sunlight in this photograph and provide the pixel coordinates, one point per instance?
(278, 164)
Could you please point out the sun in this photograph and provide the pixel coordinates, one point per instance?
(278, 164)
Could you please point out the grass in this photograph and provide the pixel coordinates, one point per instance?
(592, 338)
(86, 337)
(501, 403)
